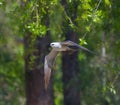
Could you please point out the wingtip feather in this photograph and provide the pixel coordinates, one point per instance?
(47, 73)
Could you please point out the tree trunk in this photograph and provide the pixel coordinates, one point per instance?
(35, 51)
(70, 61)
(34, 74)
(70, 80)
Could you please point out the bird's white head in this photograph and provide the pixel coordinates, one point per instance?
(55, 45)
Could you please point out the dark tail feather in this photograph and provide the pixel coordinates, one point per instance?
(85, 49)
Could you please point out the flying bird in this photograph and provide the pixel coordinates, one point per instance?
(57, 47)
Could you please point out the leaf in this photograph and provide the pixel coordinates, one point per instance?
(107, 2)
(82, 41)
(87, 28)
(1, 3)
(82, 56)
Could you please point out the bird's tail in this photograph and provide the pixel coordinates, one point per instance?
(85, 49)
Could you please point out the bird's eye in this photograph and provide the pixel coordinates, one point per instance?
(52, 44)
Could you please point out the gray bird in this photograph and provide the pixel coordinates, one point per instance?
(57, 47)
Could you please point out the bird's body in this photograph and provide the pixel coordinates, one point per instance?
(50, 58)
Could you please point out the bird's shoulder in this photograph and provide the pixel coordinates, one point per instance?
(67, 43)
(70, 44)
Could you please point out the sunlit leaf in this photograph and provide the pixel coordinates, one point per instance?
(107, 2)
(82, 41)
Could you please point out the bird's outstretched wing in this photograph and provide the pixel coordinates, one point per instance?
(74, 46)
(48, 63)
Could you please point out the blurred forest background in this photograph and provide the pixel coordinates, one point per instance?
(26, 29)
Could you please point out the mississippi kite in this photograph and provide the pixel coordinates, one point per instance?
(56, 48)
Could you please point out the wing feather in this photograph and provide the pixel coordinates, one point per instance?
(48, 63)
(75, 46)
(47, 73)
(67, 43)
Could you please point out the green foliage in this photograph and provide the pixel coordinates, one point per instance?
(11, 72)
(56, 19)
(99, 75)
(11, 58)
(37, 29)
(58, 86)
